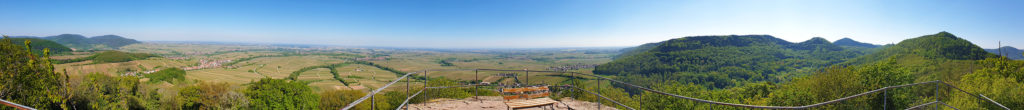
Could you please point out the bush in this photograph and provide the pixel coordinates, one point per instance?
(281, 94)
(217, 96)
(337, 99)
(118, 56)
(103, 92)
(169, 75)
(30, 80)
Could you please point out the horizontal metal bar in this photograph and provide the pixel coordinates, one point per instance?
(605, 98)
(922, 105)
(16, 105)
(442, 87)
(865, 93)
(406, 102)
(931, 103)
(997, 103)
(360, 100)
(947, 105)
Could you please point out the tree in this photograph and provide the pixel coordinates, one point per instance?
(270, 93)
(217, 96)
(102, 92)
(337, 99)
(1001, 79)
(170, 75)
(30, 80)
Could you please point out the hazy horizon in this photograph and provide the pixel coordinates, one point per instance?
(512, 24)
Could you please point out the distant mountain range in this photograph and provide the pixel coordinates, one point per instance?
(851, 42)
(80, 42)
(1010, 52)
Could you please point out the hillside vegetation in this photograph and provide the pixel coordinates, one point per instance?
(725, 61)
(28, 79)
(169, 75)
(39, 44)
(940, 56)
(111, 57)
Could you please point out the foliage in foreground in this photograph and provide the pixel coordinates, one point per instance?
(29, 79)
(215, 96)
(281, 94)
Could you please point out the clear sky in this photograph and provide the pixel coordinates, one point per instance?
(514, 23)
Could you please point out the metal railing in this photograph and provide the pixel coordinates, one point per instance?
(599, 78)
(15, 105)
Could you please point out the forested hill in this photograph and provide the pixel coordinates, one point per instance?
(724, 61)
(113, 40)
(853, 43)
(815, 43)
(630, 51)
(940, 56)
(940, 46)
(763, 72)
(1010, 52)
(39, 44)
(93, 43)
(944, 45)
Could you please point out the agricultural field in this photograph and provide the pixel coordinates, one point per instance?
(243, 64)
(86, 67)
(515, 60)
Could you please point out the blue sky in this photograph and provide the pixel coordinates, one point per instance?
(514, 23)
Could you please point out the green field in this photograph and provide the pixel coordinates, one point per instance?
(246, 64)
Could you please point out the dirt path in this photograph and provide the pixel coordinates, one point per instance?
(496, 103)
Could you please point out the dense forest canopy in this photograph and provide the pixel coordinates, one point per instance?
(942, 56)
(725, 61)
(39, 44)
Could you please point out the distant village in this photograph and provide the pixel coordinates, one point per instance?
(572, 67)
(203, 64)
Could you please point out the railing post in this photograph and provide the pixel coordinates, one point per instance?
(936, 95)
(372, 102)
(407, 94)
(598, 93)
(885, 99)
(573, 83)
(527, 76)
(476, 87)
(641, 100)
(426, 80)
(373, 76)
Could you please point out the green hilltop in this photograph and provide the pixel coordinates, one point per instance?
(39, 44)
(853, 43)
